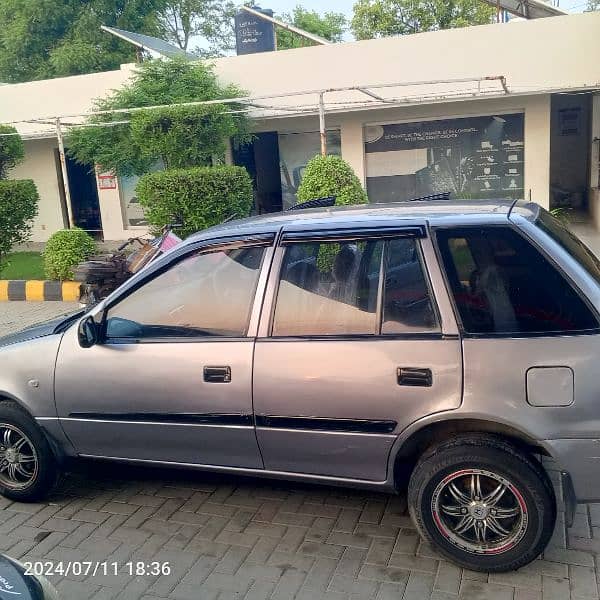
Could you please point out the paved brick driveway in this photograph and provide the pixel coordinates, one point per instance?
(227, 537)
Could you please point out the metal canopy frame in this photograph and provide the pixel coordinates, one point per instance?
(528, 9)
(310, 36)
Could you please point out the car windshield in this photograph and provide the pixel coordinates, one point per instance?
(571, 243)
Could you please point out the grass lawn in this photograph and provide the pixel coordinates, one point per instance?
(23, 265)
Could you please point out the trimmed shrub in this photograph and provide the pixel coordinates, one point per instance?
(331, 176)
(18, 207)
(64, 250)
(199, 197)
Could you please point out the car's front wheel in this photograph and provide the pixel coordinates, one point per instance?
(28, 468)
(482, 503)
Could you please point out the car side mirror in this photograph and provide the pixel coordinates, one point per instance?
(88, 332)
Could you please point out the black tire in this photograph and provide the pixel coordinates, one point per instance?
(439, 511)
(45, 475)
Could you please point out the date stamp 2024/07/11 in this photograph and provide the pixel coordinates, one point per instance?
(49, 568)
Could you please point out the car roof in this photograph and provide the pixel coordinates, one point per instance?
(429, 212)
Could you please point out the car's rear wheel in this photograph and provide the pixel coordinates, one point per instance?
(483, 504)
(28, 468)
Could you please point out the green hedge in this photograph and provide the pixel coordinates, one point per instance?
(200, 197)
(18, 207)
(331, 176)
(64, 250)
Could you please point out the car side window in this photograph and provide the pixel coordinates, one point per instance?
(333, 288)
(206, 294)
(407, 306)
(501, 283)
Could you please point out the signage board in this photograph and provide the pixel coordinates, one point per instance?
(253, 34)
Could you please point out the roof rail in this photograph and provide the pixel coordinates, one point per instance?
(316, 203)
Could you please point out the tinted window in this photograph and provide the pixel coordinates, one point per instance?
(502, 284)
(207, 294)
(331, 288)
(572, 244)
(407, 303)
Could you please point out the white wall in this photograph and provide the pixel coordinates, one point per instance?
(40, 165)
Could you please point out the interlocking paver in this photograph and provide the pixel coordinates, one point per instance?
(226, 537)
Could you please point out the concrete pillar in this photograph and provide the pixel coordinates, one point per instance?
(353, 148)
(537, 150)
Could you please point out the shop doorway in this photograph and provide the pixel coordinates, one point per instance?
(261, 160)
(570, 153)
(84, 196)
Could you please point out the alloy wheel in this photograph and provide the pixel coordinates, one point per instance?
(18, 458)
(479, 511)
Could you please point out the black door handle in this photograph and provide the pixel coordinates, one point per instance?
(415, 377)
(217, 374)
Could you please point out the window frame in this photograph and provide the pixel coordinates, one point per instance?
(266, 241)
(382, 233)
(543, 252)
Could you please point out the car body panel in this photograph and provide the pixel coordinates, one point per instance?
(27, 373)
(161, 409)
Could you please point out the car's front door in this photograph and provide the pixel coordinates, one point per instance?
(351, 350)
(171, 379)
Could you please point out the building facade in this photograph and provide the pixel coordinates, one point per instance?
(502, 110)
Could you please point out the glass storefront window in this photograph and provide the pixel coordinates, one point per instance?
(133, 214)
(471, 157)
(295, 150)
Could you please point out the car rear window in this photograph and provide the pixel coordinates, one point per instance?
(570, 242)
(502, 284)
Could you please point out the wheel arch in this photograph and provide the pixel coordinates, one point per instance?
(6, 397)
(56, 439)
(412, 446)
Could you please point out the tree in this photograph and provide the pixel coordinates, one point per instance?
(593, 5)
(40, 39)
(18, 198)
(330, 26)
(210, 19)
(177, 137)
(12, 150)
(18, 206)
(382, 18)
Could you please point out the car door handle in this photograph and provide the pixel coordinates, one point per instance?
(415, 377)
(217, 374)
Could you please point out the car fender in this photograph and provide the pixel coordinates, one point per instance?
(501, 426)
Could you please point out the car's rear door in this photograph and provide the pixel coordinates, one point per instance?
(351, 349)
(171, 380)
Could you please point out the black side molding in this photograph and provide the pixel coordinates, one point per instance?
(325, 424)
(178, 418)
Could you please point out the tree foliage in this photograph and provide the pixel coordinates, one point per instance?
(212, 20)
(18, 207)
(382, 18)
(176, 136)
(593, 5)
(331, 176)
(330, 25)
(41, 39)
(12, 150)
(200, 197)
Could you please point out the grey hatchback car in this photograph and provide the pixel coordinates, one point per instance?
(445, 345)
